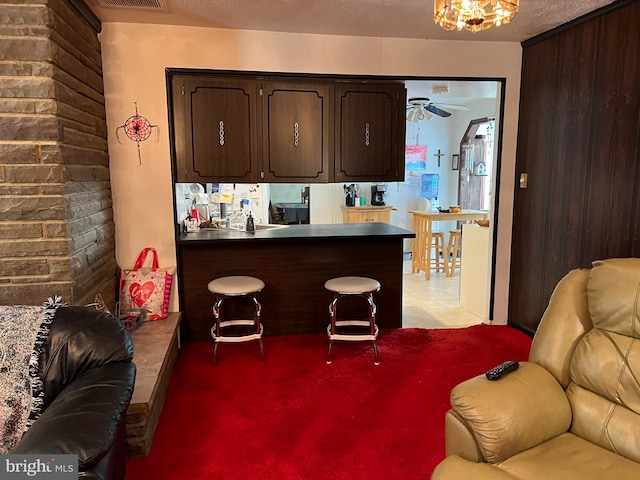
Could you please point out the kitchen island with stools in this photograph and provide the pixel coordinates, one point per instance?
(294, 262)
(423, 226)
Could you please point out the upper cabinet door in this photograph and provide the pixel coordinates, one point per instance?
(296, 122)
(370, 132)
(215, 129)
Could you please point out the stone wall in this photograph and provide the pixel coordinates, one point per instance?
(56, 220)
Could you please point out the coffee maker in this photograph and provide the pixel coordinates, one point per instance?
(377, 194)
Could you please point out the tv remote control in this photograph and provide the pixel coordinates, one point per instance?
(501, 370)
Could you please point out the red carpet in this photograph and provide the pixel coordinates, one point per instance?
(295, 417)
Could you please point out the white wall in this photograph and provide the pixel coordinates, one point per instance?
(134, 60)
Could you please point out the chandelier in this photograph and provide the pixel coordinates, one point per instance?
(473, 15)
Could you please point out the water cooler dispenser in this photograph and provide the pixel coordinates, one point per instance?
(429, 186)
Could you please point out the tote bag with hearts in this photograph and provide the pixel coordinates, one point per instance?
(147, 288)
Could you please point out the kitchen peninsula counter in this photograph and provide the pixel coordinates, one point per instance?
(294, 262)
(297, 232)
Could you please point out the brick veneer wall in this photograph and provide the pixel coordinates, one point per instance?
(56, 219)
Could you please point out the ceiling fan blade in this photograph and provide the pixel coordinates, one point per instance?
(437, 111)
(452, 106)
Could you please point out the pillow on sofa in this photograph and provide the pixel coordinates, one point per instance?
(23, 332)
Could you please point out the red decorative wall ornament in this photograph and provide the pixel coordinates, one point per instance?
(137, 128)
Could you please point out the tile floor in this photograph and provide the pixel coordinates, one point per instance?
(433, 303)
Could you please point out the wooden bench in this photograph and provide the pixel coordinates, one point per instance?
(156, 346)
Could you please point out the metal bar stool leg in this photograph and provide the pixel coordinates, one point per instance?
(215, 330)
(258, 324)
(374, 328)
(332, 326)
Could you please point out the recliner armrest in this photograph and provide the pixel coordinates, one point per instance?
(521, 410)
(83, 418)
(459, 438)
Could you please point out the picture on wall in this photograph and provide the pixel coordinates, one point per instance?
(415, 157)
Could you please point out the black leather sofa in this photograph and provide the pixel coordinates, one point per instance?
(88, 374)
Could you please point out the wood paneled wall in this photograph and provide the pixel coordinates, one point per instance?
(579, 144)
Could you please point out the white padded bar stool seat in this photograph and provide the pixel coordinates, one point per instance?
(350, 286)
(236, 286)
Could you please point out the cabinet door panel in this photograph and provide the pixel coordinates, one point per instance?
(369, 132)
(296, 122)
(220, 127)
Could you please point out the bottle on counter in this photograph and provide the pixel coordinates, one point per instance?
(250, 224)
(195, 215)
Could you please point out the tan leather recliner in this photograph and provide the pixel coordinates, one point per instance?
(573, 410)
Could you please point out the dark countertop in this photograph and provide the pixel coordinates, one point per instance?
(297, 232)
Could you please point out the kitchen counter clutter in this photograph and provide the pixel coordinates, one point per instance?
(294, 261)
(297, 232)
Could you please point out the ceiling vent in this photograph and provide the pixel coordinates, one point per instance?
(146, 4)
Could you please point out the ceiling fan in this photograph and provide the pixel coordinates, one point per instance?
(419, 108)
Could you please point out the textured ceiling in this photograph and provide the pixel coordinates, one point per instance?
(378, 18)
(371, 18)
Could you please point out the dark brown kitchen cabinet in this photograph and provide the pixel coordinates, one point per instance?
(247, 128)
(215, 128)
(296, 123)
(369, 132)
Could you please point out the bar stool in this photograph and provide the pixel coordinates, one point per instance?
(350, 286)
(453, 251)
(437, 243)
(236, 286)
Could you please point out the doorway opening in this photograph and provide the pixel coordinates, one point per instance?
(463, 148)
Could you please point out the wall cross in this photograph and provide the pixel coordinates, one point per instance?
(438, 155)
